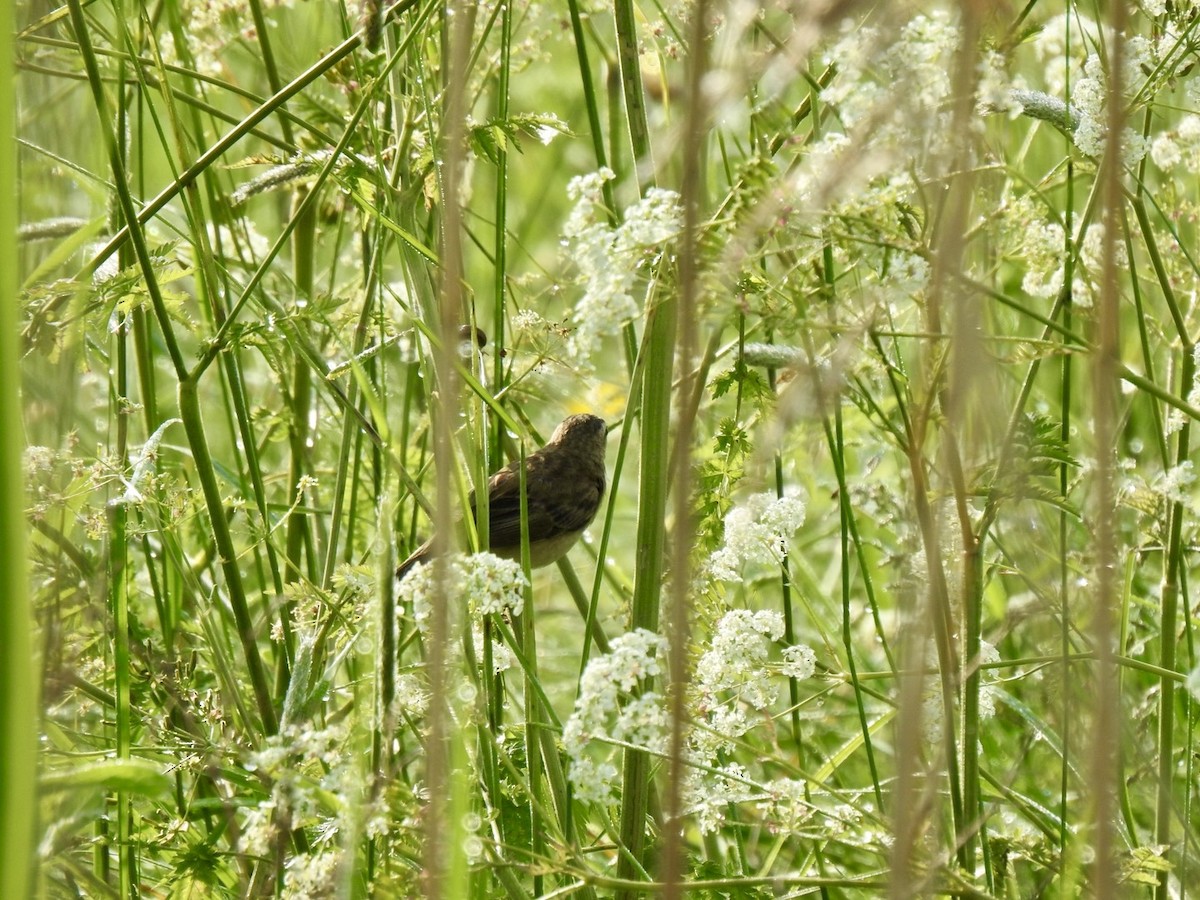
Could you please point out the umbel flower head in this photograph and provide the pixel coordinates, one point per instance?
(756, 531)
(609, 257)
(489, 584)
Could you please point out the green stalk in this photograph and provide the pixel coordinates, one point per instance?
(631, 83)
(1104, 765)
(651, 544)
(211, 285)
(119, 547)
(207, 280)
(789, 615)
(1174, 566)
(834, 437)
(443, 859)
(1064, 579)
(1175, 563)
(193, 424)
(298, 533)
(118, 553)
(527, 635)
(190, 75)
(679, 472)
(121, 183)
(262, 36)
(351, 444)
(591, 105)
(500, 248)
(661, 323)
(848, 530)
(18, 686)
(188, 399)
(118, 582)
(267, 108)
(303, 238)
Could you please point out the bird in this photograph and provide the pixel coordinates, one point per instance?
(564, 484)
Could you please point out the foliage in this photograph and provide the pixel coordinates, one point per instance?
(915, 321)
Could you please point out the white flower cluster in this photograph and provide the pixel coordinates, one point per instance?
(412, 696)
(1177, 484)
(528, 320)
(737, 659)
(313, 874)
(757, 531)
(1179, 146)
(607, 710)
(259, 832)
(733, 676)
(277, 757)
(780, 801)
(608, 258)
(1040, 247)
(988, 691)
(314, 777)
(994, 92)
(1088, 97)
(709, 796)
(901, 88)
(1050, 43)
(503, 658)
(489, 584)
(933, 708)
(494, 586)
(786, 808)
(1175, 418)
(799, 662)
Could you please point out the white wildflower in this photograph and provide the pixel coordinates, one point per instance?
(528, 320)
(785, 807)
(988, 691)
(258, 831)
(994, 94)
(608, 258)
(1089, 97)
(1165, 151)
(757, 531)
(1193, 682)
(411, 697)
(738, 656)
(608, 710)
(491, 585)
(1042, 252)
(710, 795)
(312, 874)
(502, 657)
(732, 677)
(1175, 484)
(799, 662)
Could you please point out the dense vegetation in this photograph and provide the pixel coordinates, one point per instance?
(889, 309)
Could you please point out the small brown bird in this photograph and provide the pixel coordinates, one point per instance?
(564, 483)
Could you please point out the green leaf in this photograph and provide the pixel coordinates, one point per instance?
(137, 776)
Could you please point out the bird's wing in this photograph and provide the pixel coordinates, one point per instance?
(551, 512)
(421, 554)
